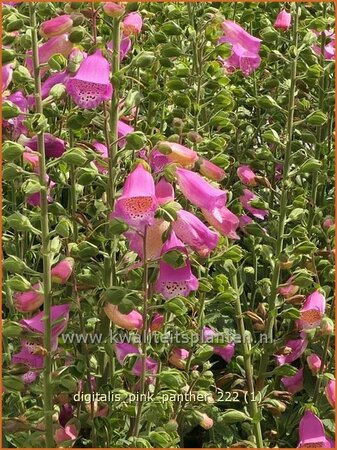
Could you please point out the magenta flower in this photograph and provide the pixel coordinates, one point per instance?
(314, 363)
(68, 433)
(124, 48)
(102, 150)
(194, 233)
(14, 127)
(59, 313)
(246, 198)
(54, 147)
(154, 241)
(91, 86)
(223, 220)
(312, 432)
(158, 161)
(7, 74)
(226, 352)
(66, 413)
(123, 350)
(35, 199)
(329, 49)
(157, 322)
(283, 20)
(55, 26)
(123, 130)
(173, 282)
(58, 44)
(312, 311)
(177, 153)
(138, 203)
(244, 220)
(62, 271)
(198, 191)
(130, 321)
(178, 357)
(164, 192)
(294, 383)
(28, 356)
(289, 289)
(246, 175)
(245, 48)
(210, 170)
(30, 300)
(297, 347)
(328, 222)
(330, 392)
(48, 84)
(31, 158)
(132, 24)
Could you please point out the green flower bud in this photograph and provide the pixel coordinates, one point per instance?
(8, 55)
(64, 227)
(144, 59)
(57, 62)
(86, 176)
(36, 123)
(317, 118)
(31, 187)
(11, 329)
(170, 51)
(11, 383)
(12, 150)
(136, 140)
(117, 227)
(9, 110)
(10, 172)
(77, 35)
(233, 416)
(19, 283)
(22, 75)
(14, 25)
(171, 29)
(311, 165)
(86, 250)
(269, 34)
(58, 91)
(75, 156)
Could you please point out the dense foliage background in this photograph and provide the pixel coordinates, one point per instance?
(268, 279)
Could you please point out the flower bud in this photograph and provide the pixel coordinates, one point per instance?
(246, 175)
(131, 321)
(327, 223)
(113, 9)
(11, 329)
(314, 363)
(62, 271)
(10, 110)
(64, 227)
(177, 153)
(86, 175)
(57, 91)
(234, 416)
(75, 156)
(87, 250)
(205, 421)
(11, 150)
(327, 326)
(283, 20)
(157, 322)
(330, 392)
(178, 357)
(19, 283)
(77, 35)
(210, 170)
(57, 25)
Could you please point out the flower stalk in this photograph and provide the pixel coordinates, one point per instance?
(283, 204)
(47, 372)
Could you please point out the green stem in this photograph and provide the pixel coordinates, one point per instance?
(248, 366)
(144, 336)
(47, 378)
(283, 205)
(321, 100)
(111, 135)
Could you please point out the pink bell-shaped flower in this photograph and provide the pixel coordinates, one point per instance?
(102, 150)
(130, 321)
(138, 202)
(283, 20)
(312, 432)
(132, 24)
(289, 289)
(157, 322)
(56, 25)
(198, 191)
(91, 86)
(296, 348)
(173, 282)
(245, 48)
(246, 198)
(123, 129)
(330, 392)
(113, 9)
(226, 352)
(30, 300)
(123, 350)
(177, 153)
(62, 271)
(164, 192)
(246, 175)
(7, 74)
(223, 220)
(68, 433)
(194, 233)
(58, 44)
(54, 147)
(14, 127)
(294, 383)
(312, 311)
(178, 357)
